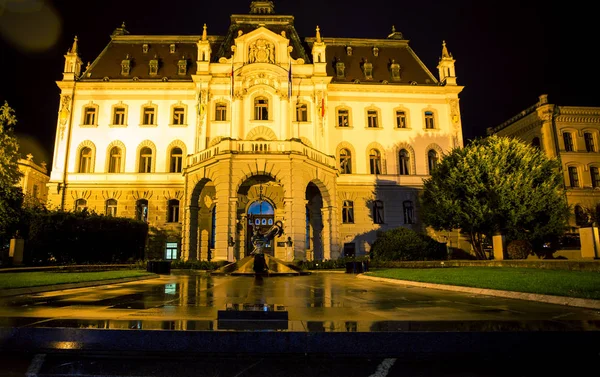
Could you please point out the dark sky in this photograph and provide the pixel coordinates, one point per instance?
(507, 52)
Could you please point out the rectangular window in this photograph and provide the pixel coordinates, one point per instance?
(378, 212)
(119, 116)
(372, 119)
(35, 192)
(301, 112)
(178, 115)
(573, 177)
(173, 215)
(148, 116)
(220, 112)
(171, 250)
(568, 140)
(595, 174)
(409, 215)
(343, 118)
(89, 118)
(429, 121)
(400, 119)
(589, 142)
(348, 212)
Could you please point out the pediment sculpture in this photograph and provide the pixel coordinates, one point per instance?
(261, 51)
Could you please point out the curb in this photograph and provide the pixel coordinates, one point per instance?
(61, 287)
(559, 300)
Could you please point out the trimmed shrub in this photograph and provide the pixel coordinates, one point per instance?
(61, 237)
(518, 249)
(403, 244)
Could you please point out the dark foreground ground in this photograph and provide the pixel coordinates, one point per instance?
(324, 324)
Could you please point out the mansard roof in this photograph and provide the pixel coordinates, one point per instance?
(412, 69)
(108, 63)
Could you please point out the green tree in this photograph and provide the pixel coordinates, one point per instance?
(496, 184)
(11, 196)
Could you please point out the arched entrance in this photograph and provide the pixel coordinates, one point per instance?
(261, 216)
(314, 222)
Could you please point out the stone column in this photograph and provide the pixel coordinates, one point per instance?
(189, 249)
(237, 117)
(285, 118)
(326, 216)
(232, 234)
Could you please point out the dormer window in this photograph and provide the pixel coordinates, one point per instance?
(126, 66)
(154, 66)
(339, 70)
(182, 66)
(368, 70)
(172, 48)
(395, 70)
(145, 48)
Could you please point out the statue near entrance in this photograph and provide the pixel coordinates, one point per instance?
(259, 241)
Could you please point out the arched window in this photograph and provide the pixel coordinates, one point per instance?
(404, 162)
(432, 160)
(141, 210)
(85, 160)
(301, 112)
(261, 108)
(114, 162)
(573, 176)
(377, 212)
(176, 160)
(536, 142)
(348, 212)
(345, 161)
(145, 160)
(80, 205)
(375, 162)
(173, 211)
(568, 141)
(409, 214)
(111, 207)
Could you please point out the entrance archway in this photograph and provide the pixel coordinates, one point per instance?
(314, 222)
(261, 216)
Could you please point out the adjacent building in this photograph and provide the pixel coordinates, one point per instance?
(213, 137)
(34, 180)
(570, 134)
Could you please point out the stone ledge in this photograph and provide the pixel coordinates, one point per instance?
(559, 300)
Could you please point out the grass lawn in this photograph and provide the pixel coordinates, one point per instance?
(580, 284)
(34, 279)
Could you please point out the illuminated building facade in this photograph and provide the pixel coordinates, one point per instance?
(34, 180)
(571, 134)
(210, 137)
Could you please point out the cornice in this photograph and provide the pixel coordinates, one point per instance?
(379, 88)
(577, 118)
(360, 42)
(164, 38)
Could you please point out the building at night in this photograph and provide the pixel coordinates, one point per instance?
(34, 179)
(571, 134)
(211, 137)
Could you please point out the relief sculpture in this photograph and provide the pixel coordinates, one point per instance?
(261, 51)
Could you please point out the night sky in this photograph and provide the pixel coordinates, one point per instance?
(507, 53)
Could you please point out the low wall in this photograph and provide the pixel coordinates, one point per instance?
(561, 264)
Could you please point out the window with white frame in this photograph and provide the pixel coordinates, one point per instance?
(429, 120)
(85, 160)
(374, 161)
(372, 119)
(178, 115)
(301, 112)
(173, 211)
(401, 119)
(145, 165)
(89, 115)
(111, 208)
(141, 210)
(261, 108)
(343, 116)
(176, 160)
(220, 112)
(114, 160)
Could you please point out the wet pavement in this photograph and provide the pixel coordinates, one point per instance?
(332, 315)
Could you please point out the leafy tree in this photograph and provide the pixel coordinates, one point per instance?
(496, 184)
(11, 196)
